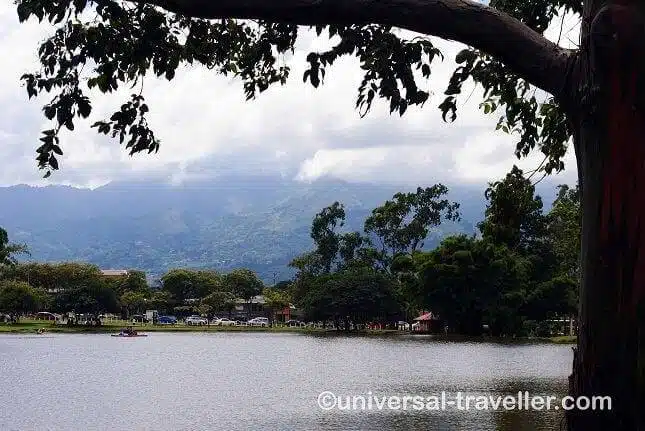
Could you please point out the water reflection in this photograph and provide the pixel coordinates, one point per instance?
(242, 381)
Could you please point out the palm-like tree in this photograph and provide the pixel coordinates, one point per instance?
(8, 251)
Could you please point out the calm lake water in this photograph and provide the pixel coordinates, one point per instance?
(262, 381)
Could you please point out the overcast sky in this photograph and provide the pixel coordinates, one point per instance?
(206, 127)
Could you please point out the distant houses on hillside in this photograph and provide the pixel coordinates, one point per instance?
(113, 273)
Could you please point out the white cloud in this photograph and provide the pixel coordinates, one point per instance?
(206, 126)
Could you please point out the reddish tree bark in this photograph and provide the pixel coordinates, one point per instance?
(610, 144)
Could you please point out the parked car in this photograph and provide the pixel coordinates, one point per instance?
(223, 322)
(139, 318)
(45, 315)
(259, 321)
(196, 320)
(167, 320)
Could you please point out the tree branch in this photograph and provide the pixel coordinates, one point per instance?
(526, 52)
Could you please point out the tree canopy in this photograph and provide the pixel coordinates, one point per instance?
(19, 297)
(106, 45)
(509, 279)
(185, 284)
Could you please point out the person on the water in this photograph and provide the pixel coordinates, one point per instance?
(128, 331)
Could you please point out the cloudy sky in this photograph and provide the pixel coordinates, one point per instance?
(206, 127)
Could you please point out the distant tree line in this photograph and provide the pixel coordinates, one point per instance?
(82, 288)
(520, 270)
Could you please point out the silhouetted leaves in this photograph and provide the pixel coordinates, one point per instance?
(106, 44)
(9, 251)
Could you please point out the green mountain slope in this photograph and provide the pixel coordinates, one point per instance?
(255, 222)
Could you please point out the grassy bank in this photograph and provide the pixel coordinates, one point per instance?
(33, 327)
(565, 339)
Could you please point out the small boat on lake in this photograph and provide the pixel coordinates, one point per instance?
(130, 335)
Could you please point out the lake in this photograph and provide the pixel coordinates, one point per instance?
(265, 381)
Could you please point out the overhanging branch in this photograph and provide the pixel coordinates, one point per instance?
(526, 52)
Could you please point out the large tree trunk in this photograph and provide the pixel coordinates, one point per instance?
(610, 144)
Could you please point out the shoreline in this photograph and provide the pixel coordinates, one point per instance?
(32, 328)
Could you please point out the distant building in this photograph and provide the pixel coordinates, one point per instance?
(257, 308)
(114, 272)
(254, 308)
(428, 322)
(287, 313)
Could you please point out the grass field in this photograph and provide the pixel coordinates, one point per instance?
(32, 326)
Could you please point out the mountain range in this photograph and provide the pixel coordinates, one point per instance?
(255, 221)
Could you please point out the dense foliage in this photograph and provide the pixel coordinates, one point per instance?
(508, 278)
(520, 270)
(82, 55)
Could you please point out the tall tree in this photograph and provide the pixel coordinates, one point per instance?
(564, 224)
(92, 297)
(594, 98)
(161, 300)
(352, 296)
(514, 213)
(400, 225)
(514, 219)
(325, 236)
(135, 281)
(334, 250)
(276, 300)
(57, 276)
(471, 282)
(133, 301)
(8, 251)
(244, 284)
(186, 284)
(219, 301)
(17, 297)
